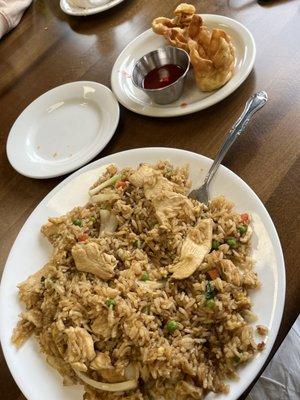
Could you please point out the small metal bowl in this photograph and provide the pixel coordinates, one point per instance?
(159, 58)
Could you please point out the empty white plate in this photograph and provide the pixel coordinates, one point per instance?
(79, 11)
(192, 99)
(63, 129)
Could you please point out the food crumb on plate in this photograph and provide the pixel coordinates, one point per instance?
(262, 330)
(124, 72)
(261, 346)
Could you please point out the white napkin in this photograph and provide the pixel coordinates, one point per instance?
(88, 3)
(11, 12)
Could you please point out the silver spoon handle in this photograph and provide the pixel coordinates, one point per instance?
(257, 101)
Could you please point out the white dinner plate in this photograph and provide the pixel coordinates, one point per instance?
(40, 381)
(78, 11)
(63, 129)
(192, 99)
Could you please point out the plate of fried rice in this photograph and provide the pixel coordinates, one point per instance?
(121, 287)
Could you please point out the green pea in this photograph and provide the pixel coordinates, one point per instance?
(144, 277)
(110, 302)
(93, 219)
(210, 303)
(77, 222)
(231, 241)
(215, 244)
(137, 243)
(146, 310)
(172, 326)
(236, 359)
(242, 229)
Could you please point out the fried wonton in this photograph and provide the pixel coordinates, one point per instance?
(211, 52)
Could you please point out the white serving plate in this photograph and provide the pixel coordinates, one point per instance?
(63, 129)
(78, 11)
(192, 99)
(30, 251)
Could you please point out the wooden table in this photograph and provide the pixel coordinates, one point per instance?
(49, 48)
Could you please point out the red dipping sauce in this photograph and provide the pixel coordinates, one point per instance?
(162, 76)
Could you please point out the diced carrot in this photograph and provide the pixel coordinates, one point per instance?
(83, 237)
(213, 274)
(120, 184)
(245, 217)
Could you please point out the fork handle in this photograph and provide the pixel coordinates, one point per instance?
(256, 101)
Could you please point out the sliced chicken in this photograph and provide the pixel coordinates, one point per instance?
(236, 276)
(34, 316)
(29, 289)
(52, 227)
(22, 332)
(231, 273)
(160, 188)
(100, 326)
(102, 360)
(80, 345)
(33, 281)
(109, 222)
(195, 247)
(152, 180)
(89, 258)
(167, 203)
(145, 175)
(79, 366)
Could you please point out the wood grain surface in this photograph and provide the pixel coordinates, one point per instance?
(49, 48)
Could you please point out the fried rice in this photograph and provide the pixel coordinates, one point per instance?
(146, 294)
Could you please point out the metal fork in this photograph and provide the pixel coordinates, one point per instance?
(256, 102)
